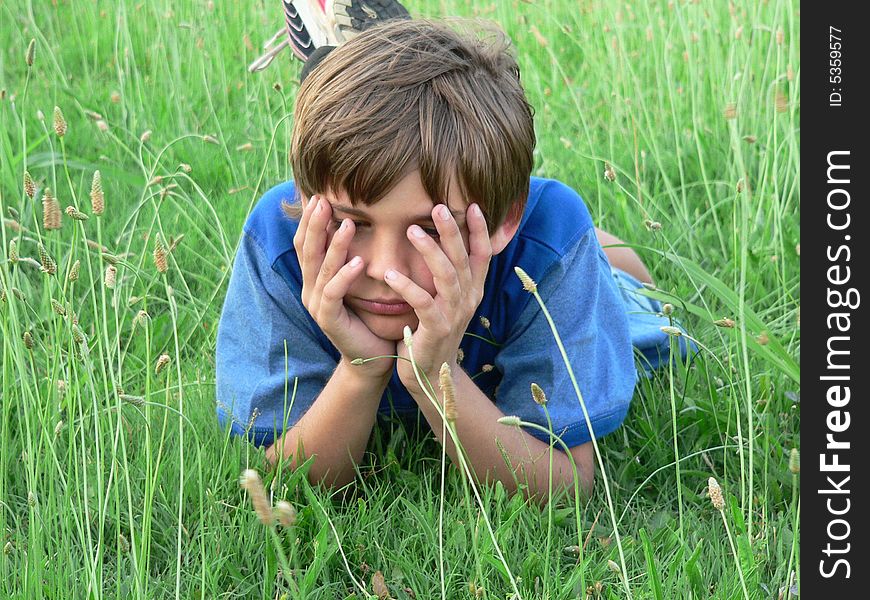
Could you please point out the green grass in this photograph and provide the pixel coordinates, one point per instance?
(104, 495)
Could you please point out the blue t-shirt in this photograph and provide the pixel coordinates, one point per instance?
(555, 244)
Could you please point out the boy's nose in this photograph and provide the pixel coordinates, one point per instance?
(386, 253)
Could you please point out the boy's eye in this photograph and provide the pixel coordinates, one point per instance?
(429, 230)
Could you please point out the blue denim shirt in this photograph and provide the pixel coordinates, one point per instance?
(273, 360)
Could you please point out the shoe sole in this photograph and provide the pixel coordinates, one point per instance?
(300, 39)
(352, 17)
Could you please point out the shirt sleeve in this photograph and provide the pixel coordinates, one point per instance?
(582, 299)
(255, 377)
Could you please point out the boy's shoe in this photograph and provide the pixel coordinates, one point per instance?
(312, 24)
(351, 17)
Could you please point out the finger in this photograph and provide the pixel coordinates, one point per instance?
(336, 253)
(299, 237)
(332, 303)
(420, 300)
(444, 274)
(314, 248)
(480, 244)
(452, 243)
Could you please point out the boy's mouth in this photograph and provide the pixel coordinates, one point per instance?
(383, 306)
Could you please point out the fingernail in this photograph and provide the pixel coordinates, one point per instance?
(476, 210)
(417, 232)
(355, 261)
(343, 225)
(311, 200)
(319, 208)
(391, 275)
(443, 212)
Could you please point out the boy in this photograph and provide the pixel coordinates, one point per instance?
(412, 204)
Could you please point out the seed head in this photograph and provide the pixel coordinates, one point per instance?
(97, 200)
(73, 213)
(123, 544)
(13, 252)
(246, 147)
(763, 339)
(609, 173)
(407, 336)
(40, 116)
(730, 111)
(725, 322)
(59, 122)
(31, 498)
(61, 387)
(652, 225)
(750, 139)
(48, 265)
(510, 421)
(210, 139)
(50, 211)
(715, 493)
(8, 548)
(160, 255)
(486, 368)
(250, 481)
(445, 380)
(102, 126)
(528, 283)
(111, 274)
(156, 180)
(78, 334)
(485, 322)
(460, 354)
(161, 363)
(794, 461)
(781, 102)
(115, 97)
(29, 186)
(31, 53)
(668, 309)
(780, 37)
(74, 271)
(613, 566)
(146, 135)
(670, 330)
(358, 361)
(285, 513)
(538, 395)
(28, 340)
(141, 318)
(58, 428)
(186, 167)
(134, 400)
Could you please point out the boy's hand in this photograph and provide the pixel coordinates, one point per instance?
(459, 280)
(325, 282)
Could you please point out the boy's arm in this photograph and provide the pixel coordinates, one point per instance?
(335, 429)
(478, 429)
(625, 259)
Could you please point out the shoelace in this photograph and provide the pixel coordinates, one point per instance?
(266, 59)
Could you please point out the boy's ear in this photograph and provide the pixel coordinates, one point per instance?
(502, 236)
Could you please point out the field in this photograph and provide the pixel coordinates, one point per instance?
(115, 479)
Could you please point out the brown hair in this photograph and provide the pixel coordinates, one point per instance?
(417, 94)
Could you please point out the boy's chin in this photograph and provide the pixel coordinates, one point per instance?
(391, 327)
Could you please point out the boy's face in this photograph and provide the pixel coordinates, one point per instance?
(381, 240)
